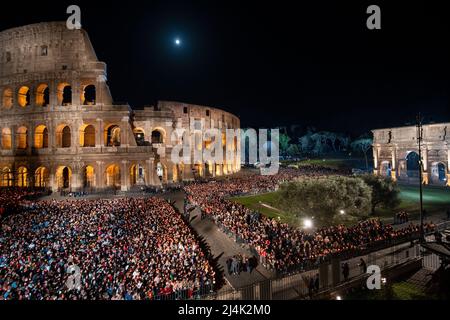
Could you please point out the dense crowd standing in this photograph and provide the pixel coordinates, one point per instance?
(401, 217)
(11, 198)
(124, 248)
(280, 246)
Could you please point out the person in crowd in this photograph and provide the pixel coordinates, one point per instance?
(362, 265)
(345, 271)
(311, 287)
(317, 283)
(229, 263)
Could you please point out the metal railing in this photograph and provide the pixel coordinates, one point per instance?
(298, 286)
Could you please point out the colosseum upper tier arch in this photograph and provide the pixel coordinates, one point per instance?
(60, 127)
(395, 153)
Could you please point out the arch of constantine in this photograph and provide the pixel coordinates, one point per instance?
(60, 128)
(395, 153)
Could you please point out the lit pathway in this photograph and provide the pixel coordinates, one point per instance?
(221, 246)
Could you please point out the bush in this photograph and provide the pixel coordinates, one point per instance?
(385, 192)
(324, 198)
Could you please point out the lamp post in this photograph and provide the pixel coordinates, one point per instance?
(419, 141)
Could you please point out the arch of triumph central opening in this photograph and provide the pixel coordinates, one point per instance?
(395, 153)
(61, 129)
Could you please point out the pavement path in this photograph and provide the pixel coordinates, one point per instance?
(221, 245)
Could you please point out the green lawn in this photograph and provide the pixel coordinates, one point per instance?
(327, 163)
(435, 200)
(256, 203)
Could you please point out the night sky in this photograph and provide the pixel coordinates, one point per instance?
(270, 63)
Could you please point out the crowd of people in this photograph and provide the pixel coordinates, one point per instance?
(279, 246)
(241, 263)
(12, 197)
(100, 249)
(135, 249)
(401, 217)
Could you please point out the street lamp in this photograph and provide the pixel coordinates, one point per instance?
(307, 223)
(419, 141)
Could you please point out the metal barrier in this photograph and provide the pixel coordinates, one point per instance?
(329, 276)
(443, 226)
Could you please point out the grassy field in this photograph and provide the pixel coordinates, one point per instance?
(435, 200)
(261, 202)
(327, 163)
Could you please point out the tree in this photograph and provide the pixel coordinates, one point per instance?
(284, 143)
(324, 198)
(385, 191)
(293, 150)
(363, 145)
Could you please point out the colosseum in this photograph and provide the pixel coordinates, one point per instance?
(61, 129)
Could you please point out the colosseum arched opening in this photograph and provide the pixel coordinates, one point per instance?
(87, 136)
(41, 137)
(63, 136)
(89, 177)
(7, 98)
(22, 135)
(6, 178)
(139, 135)
(41, 177)
(43, 95)
(88, 95)
(22, 177)
(113, 176)
(64, 94)
(158, 136)
(63, 177)
(24, 97)
(6, 139)
(112, 136)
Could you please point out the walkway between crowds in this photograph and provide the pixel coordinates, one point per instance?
(221, 246)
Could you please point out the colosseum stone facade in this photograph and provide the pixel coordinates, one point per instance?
(395, 152)
(61, 129)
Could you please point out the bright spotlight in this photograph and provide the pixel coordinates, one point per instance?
(307, 223)
(342, 212)
(338, 298)
(177, 42)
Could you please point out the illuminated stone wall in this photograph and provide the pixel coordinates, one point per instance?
(60, 128)
(395, 151)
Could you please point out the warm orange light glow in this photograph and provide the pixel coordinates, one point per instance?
(6, 178)
(41, 177)
(113, 176)
(22, 177)
(41, 137)
(8, 98)
(22, 138)
(42, 95)
(23, 97)
(63, 177)
(6, 138)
